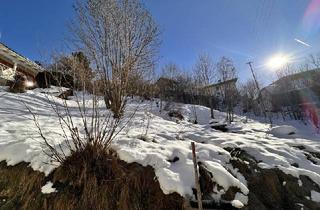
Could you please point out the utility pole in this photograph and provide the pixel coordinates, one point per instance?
(259, 92)
(253, 75)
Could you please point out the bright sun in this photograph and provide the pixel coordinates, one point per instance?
(277, 61)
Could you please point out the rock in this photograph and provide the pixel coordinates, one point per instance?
(18, 85)
(66, 94)
(283, 130)
(206, 183)
(266, 187)
(175, 159)
(207, 186)
(176, 114)
(218, 125)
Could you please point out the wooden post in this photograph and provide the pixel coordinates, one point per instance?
(196, 175)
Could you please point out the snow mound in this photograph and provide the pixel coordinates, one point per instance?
(223, 178)
(283, 130)
(237, 204)
(47, 188)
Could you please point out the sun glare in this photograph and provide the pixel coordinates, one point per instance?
(277, 61)
(29, 84)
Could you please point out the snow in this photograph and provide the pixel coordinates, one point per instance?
(315, 196)
(242, 198)
(283, 130)
(47, 188)
(52, 91)
(237, 204)
(223, 178)
(167, 140)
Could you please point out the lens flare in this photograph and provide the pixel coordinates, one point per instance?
(311, 19)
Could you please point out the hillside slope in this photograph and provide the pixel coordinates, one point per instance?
(232, 164)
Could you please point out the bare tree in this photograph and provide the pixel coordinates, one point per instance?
(315, 60)
(167, 83)
(226, 71)
(170, 71)
(305, 66)
(248, 92)
(204, 73)
(120, 36)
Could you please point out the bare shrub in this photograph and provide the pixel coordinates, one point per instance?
(120, 37)
(96, 128)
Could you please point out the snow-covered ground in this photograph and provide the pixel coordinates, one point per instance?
(166, 140)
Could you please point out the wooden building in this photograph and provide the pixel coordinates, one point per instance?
(12, 62)
(218, 89)
(294, 90)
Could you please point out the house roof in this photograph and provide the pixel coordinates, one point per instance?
(303, 74)
(167, 81)
(300, 75)
(234, 80)
(28, 65)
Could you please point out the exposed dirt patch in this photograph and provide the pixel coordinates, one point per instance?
(86, 181)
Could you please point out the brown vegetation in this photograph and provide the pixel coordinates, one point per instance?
(86, 180)
(121, 39)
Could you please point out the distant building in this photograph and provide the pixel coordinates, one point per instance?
(218, 89)
(166, 88)
(214, 96)
(294, 91)
(11, 62)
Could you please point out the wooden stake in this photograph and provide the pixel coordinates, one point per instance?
(196, 175)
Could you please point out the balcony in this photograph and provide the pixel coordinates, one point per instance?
(6, 72)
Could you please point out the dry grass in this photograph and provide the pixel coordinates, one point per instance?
(91, 179)
(98, 180)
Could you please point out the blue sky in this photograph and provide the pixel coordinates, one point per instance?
(242, 30)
